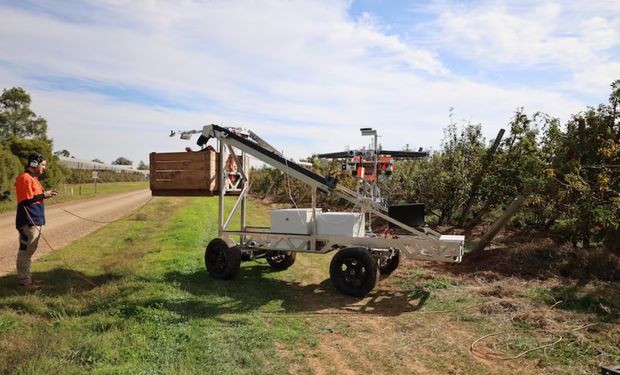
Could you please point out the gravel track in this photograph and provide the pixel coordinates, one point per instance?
(63, 228)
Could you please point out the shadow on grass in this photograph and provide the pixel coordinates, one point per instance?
(252, 290)
(56, 282)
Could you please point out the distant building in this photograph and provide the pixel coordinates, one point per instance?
(74, 163)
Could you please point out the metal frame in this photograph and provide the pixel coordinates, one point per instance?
(419, 243)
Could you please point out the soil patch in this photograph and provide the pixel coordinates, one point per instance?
(538, 258)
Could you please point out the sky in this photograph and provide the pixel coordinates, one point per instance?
(113, 77)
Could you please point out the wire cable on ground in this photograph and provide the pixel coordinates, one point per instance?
(473, 349)
(106, 222)
(89, 281)
(494, 356)
(78, 274)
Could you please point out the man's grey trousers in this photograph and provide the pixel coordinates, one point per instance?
(28, 241)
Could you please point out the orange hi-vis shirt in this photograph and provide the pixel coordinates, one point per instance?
(27, 186)
(29, 212)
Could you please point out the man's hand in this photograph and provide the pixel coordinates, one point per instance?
(50, 193)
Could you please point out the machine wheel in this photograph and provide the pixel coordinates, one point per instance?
(353, 271)
(390, 265)
(222, 261)
(281, 260)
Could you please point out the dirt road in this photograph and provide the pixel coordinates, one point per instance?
(62, 228)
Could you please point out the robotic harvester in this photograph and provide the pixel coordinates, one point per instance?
(361, 253)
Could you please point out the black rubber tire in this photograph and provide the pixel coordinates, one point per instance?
(390, 265)
(221, 260)
(280, 260)
(353, 271)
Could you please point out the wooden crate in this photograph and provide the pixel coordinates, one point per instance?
(184, 173)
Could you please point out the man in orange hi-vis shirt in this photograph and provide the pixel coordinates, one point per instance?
(30, 215)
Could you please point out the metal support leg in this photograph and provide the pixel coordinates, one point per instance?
(221, 188)
(246, 185)
(313, 238)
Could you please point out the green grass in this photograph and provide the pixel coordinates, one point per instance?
(134, 298)
(572, 298)
(74, 192)
(538, 294)
(154, 309)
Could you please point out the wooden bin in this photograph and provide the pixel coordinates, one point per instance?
(184, 173)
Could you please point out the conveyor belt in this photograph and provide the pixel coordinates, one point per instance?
(288, 166)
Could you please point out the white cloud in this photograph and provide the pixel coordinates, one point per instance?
(595, 78)
(98, 127)
(527, 34)
(303, 75)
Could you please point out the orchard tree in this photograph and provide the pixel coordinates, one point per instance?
(17, 119)
(584, 165)
(443, 181)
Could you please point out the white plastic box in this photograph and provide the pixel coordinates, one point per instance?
(299, 221)
(292, 221)
(342, 224)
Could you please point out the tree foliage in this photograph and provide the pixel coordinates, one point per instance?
(16, 117)
(122, 161)
(21, 148)
(21, 133)
(584, 163)
(443, 181)
(80, 176)
(10, 168)
(516, 169)
(268, 182)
